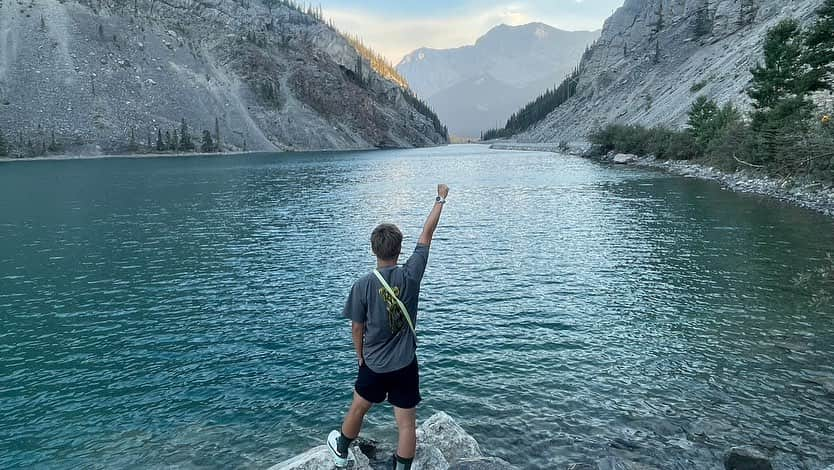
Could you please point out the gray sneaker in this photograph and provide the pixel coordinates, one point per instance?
(340, 460)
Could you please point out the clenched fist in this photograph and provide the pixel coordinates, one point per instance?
(442, 190)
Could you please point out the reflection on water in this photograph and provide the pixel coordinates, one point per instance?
(184, 312)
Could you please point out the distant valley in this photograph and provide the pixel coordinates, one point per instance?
(473, 88)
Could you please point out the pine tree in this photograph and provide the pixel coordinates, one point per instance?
(169, 142)
(779, 90)
(160, 145)
(358, 69)
(217, 144)
(175, 141)
(781, 76)
(53, 146)
(207, 145)
(131, 143)
(701, 116)
(4, 146)
(185, 137)
(819, 55)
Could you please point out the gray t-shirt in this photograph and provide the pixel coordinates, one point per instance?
(389, 343)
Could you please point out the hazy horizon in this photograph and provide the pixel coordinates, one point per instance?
(396, 28)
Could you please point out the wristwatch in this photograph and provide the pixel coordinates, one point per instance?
(440, 200)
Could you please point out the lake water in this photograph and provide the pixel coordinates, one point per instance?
(184, 312)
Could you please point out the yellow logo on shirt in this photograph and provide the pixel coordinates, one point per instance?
(396, 322)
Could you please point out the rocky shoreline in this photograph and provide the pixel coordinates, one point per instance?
(442, 444)
(802, 192)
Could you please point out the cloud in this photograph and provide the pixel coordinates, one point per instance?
(395, 36)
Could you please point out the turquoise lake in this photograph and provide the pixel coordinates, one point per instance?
(185, 312)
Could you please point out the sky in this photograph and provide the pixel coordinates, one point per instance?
(397, 27)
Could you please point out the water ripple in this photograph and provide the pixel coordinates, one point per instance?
(185, 312)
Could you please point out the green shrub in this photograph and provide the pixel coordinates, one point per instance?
(658, 141)
(696, 87)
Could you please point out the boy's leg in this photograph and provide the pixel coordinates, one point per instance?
(355, 415)
(407, 428)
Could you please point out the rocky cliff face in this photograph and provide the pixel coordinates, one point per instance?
(654, 57)
(93, 72)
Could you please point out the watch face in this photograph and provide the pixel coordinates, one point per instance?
(438, 199)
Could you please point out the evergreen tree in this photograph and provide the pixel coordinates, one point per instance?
(819, 55)
(53, 146)
(175, 141)
(707, 121)
(779, 90)
(185, 137)
(160, 145)
(169, 142)
(207, 145)
(131, 143)
(701, 115)
(217, 144)
(358, 69)
(782, 74)
(4, 146)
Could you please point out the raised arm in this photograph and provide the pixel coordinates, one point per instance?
(434, 216)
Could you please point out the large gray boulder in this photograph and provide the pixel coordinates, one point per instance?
(441, 445)
(746, 458)
(624, 158)
(429, 458)
(319, 458)
(441, 431)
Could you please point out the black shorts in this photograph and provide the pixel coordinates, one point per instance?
(402, 387)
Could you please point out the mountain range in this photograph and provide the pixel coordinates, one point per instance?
(476, 87)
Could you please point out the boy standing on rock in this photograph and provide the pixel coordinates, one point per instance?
(382, 307)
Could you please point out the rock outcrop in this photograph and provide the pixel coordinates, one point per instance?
(624, 158)
(441, 445)
(103, 76)
(655, 57)
(746, 458)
